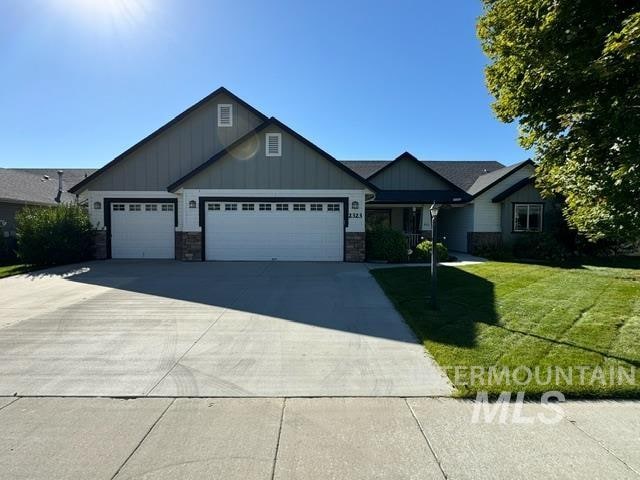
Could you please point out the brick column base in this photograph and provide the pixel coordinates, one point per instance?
(476, 241)
(189, 246)
(100, 244)
(354, 245)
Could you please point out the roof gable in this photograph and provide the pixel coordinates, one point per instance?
(462, 173)
(485, 182)
(513, 189)
(407, 173)
(171, 151)
(244, 165)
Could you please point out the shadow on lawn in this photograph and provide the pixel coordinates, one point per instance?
(465, 300)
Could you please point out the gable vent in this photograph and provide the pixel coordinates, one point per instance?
(225, 115)
(273, 144)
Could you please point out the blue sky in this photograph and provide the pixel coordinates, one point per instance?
(82, 80)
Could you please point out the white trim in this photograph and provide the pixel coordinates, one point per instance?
(267, 139)
(528, 206)
(222, 106)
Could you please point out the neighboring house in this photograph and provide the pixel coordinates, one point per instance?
(35, 186)
(222, 181)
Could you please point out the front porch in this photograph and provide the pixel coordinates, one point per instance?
(414, 221)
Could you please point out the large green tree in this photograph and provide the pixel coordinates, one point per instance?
(568, 71)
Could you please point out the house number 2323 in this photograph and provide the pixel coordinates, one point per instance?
(355, 215)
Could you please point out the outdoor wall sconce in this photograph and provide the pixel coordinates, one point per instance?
(355, 205)
(97, 205)
(192, 204)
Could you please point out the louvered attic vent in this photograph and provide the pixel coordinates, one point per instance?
(274, 144)
(225, 115)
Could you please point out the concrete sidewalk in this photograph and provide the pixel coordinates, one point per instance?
(321, 438)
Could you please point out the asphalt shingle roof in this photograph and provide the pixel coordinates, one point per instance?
(460, 173)
(484, 181)
(31, 185)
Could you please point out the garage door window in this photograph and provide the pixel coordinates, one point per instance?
(316, 207)
(230, 206)
(167, 207)
(118, 207)
(282, 207)
(265, 207)
(152, 207)
(135, 207)
(333, 207)
(299, 207)
(213, 206)
(247, 206)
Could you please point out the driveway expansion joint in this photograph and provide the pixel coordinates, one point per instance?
(275, 455)
(10, 403)
(601, 445)
(424, 435)
(144, 437)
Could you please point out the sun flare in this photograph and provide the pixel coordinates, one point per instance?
(111, 14)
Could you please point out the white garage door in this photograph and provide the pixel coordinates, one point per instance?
(142, 230)
(274, 231)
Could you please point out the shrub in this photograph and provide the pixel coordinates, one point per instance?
(539, 246)
(423, 251)
(53, 235)
(386, 244)
(498, 253)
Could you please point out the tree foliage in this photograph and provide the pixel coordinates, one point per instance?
(569, 72)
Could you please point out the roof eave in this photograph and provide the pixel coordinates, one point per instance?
(271, 121)
(409, 156)
(512, 189)
(219, 91)
(495, 182)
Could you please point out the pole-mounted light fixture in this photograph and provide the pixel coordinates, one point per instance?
(435, 208)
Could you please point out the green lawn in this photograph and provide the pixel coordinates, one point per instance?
(8, 270)
(575, 321)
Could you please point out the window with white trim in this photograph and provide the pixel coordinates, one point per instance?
(230, 206)
(282, 207)
(151, 207)
(265, 207)
(225, 115)
(247, 206)
(333, 207)
(316, 207)
(527, 217)
(135, 207)
(299, 207)
(167, 207)
(118, 207)
(273, 147)
(213, 206)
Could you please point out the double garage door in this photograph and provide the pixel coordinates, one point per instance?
(274, 230)
(234, 230)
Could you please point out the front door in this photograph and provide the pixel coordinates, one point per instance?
(412, 219)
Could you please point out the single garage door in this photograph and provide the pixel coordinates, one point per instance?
(274, 231)
(142, 230)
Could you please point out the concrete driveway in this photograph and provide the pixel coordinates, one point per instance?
(164, 328)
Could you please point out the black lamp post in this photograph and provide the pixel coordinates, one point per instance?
(434, 257)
